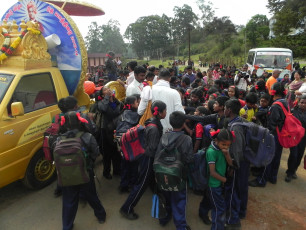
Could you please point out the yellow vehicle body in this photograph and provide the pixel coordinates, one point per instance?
(22, 136)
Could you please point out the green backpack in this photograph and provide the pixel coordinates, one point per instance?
(70, 160)
(168, 166)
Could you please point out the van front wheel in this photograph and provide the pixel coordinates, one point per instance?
(40, 172)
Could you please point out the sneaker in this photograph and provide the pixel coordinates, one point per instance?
(288, 178)
(255, 183)
(294, 176)
(206, 220)
(129, 216)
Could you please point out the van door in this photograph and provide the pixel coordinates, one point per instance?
(22, 136)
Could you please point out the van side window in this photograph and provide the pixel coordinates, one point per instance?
(251, 58)
(35, 92)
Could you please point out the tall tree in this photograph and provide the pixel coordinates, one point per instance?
(257, 29)
(93, 39)
(207, 11)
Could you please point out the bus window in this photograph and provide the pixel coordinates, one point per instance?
(273, 59)
(251, 58)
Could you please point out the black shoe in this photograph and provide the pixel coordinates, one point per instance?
(236, 226)
(206, 220)
(294, 176)
(102, 221)
(124, 189)
(273, 181)
(187, 227)
(57, 192)
(129, 216)
(108, 176)
(255, 183)
(288, 178)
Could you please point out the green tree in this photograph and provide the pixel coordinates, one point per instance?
(207, 12)
(93, 39)
(257, 29)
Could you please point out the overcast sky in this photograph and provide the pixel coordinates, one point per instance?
(126, 12)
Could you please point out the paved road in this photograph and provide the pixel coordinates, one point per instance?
(280, 206)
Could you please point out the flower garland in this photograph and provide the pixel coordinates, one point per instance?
(6, 50)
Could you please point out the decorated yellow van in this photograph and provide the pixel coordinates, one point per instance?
(42, 59)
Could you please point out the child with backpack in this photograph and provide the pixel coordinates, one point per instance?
(153, 132)
(173, 154)
(297, 152)
(128, 119)
(217, 156)
(76, 144)
(263, 109)
(199, 129)
(249, 110)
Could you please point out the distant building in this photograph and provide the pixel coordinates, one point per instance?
(98, 59)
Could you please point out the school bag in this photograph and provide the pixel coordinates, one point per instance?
(198, 171)
(168, 166)
(70, 160)
(260, 144)
(132, 142)
(50, 136)
(292, 131)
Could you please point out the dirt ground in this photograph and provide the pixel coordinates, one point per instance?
(276, 207)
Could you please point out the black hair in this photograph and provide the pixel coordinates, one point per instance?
(251, 98)
(203, 110)
(224, 135)
(212, 90)
(186, 80)
(62, 105)
(70, 103)
(125, 72)
(171, 70)
(279, 89)
(194, 85)
(199, 75)
(130, 100)
(221, 100)
(177, 119)
(137, 96)
(164, 74)
(132, 65)
(234, 105)
(72, 122)
(242, 92)
(210, 105)
(261, 85)
(301, 73)
(181, 90)
(173, 79)
(189, 67)
(150, 74)
(151, 68)
(236, 90)
(197, 93)
(265, 96)
(139, 69)
(161, 106)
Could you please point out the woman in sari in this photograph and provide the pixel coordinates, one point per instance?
(294, 86)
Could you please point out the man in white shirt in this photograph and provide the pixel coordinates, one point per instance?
(131, 67)
(162, 91)
(242, 79)
(137, 85)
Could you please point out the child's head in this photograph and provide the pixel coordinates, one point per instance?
(264, 100)
(302, 103)
(181, 92)
(260, 85)
(212, 96)
(62, 105)
(185, 82)
(196, 95)
(137, 97)
(223, 138)
(278, 90)
(210, 105)
(71, 103)
(201, 110)
(131, 103)
(189, 69)
(73, 120)
(177, 119)
(150, 76)
(199, 75)
(242, 94)
(286, 77)
(233, 92)
(220, 103)
(159, 109)
(251, 100)
(232, 107)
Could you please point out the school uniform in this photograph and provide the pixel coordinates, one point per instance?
(214, 199)
(297, 152)
(87, 191)
(250, 112)
(176, 201)
(145, 164)
(236, 187)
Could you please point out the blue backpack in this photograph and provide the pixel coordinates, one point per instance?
(198, 171)
(260, 144)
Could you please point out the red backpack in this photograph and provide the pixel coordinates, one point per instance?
(292, 131)
(133, 142)
(50, 137)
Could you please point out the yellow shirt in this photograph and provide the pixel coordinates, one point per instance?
(250, 113)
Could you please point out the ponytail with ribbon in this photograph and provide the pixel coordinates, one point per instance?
(127, 106)
(223, 135)
(155, 111)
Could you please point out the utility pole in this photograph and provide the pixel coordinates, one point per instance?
(189, 29)
(245, 45)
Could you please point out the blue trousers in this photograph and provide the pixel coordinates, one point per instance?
(145, 176)
(71, 196)
(270, 172)
(129, 173)
(236, 193)
(218, 208)
(295, 157)
(206, 204)
(176, 205)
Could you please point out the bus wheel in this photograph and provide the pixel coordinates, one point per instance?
(40, 172)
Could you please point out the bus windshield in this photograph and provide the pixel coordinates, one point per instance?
(5, 81)
(272, 59)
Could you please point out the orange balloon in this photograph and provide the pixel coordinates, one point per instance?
(89, 87)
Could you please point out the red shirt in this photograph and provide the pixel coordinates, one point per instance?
(199, 131)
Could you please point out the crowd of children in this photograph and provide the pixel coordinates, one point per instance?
(213, 101)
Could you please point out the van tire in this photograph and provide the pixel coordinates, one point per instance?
(40, 172)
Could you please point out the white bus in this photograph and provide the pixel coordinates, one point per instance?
(269, 59)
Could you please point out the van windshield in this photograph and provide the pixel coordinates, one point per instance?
(5, 81)
(273, 59)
